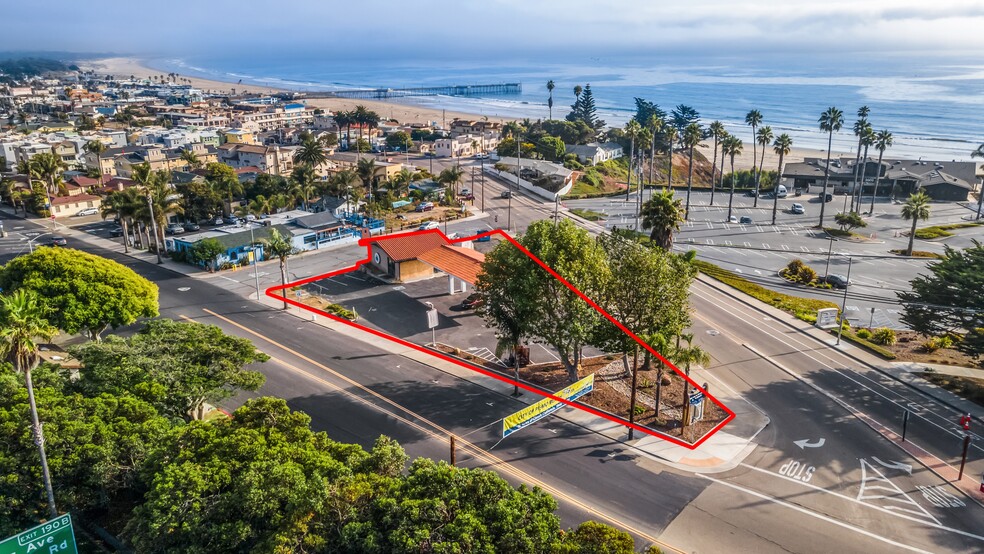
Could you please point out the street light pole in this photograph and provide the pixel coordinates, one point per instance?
(840, 329)
(153, 222)
(256, 271)
(39, 441)
(830, 247)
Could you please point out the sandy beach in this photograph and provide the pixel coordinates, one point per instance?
(403, 113)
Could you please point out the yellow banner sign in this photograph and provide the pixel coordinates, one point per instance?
(535, 412)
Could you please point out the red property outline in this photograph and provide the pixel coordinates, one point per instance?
(367, 241)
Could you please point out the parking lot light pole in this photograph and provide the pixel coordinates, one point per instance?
(840, 329)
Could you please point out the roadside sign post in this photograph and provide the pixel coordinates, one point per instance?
(54, 536)
(432, 322)
(452, 451)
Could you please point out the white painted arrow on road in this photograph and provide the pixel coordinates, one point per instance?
(895, 465)
(805, 443)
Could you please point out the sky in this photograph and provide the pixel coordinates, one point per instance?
(462, 29)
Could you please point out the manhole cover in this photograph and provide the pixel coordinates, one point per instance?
(713, 332)
(184, 289)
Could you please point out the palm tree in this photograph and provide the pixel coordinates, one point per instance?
(731, 146)
(687, 356)
(860, 127)
(830, 121)
(259, 206)
(670, 132)
(632, 130)
(882, 141)
(717, 131)
(867, 140)
(342, 181)
(142, 174)
(343, 120)
(97, 148)
(654, 125)
(662, 213)
(763, 137)
(979, 153)
(754, 118)
(123, 205)
(915, 208)
(451, 177)
(191, 158)
(367, 171)
(304, 178)
(691, 138)
(402, 182)
(781, 146)
(23, 321)
(226, 187)
(48, 166)
(310, 153)
(577, 92)
(281, 247)
(164, 203)
(550, 88)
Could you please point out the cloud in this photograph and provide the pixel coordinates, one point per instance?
(447, 29)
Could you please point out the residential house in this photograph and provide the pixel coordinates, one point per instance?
(269, 159)
(545, 179)
(594, 153)
(67, 206)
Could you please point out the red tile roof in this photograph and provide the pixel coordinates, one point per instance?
(464, 263)
(59, 200)
(410, 247)
(83, 181)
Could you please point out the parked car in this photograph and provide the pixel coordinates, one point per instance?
(838, 281)
(468, 196)
(174, 229)
(424, 207)
(745, 220)
(464, 192)
(481, 156)
(116, 232)
(428, 225)
(473, 301)
(797, 209)
(230, 219)
(191, 226)
(751, 193)
(219, 220)
(506, 194)
(826, 198)
(87, 211)
(733, 219)
(486, 238)
(55, 241)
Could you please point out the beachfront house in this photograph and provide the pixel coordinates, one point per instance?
(542, 178)
(594, 153)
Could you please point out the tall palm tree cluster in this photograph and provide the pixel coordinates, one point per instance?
(143, 210)
(360, 116)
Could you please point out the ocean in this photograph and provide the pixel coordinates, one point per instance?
(932, 106)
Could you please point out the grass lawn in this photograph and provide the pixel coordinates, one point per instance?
(590, 215)
(939, 231)
(918, 254)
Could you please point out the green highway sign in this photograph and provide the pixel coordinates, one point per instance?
(54, 536)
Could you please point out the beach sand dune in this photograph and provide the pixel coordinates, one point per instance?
(404, 113)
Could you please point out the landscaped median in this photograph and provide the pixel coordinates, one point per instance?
(803, 308)
(941, 231)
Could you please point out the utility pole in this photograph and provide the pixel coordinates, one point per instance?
(256, 270)
(840, 329)
(830, 247)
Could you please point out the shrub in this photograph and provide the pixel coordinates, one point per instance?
(793, 268)
(946, 341)
(806, 275)
(931, 345)
(863, 334)
(883, 336)
(341, 311)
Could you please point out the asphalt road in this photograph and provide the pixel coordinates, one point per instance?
(356, 392)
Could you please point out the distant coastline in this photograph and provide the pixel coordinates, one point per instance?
(404, 113)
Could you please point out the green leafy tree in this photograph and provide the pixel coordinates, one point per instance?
(662, 215)
(206, 251)
(948, 300)
(849, 221)
(224, 182)
(262, 481)
(400, 140)
(830, 121)
(199, 200)
(592, 537)
(551, 148)
(94, 445)
(178, 367)
(279, 246)
(567, 321)
(645, 110)
(915, 208)
(82, 291)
